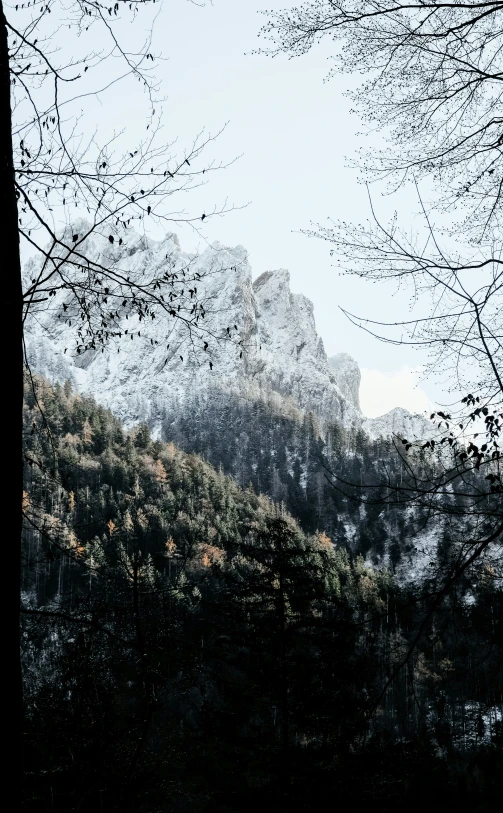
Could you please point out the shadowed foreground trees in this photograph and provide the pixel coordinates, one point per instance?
(172, 622)
(187, 647)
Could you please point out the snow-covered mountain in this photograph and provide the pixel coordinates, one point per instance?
(274, 353)
(397, 422)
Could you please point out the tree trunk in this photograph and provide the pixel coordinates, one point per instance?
(12, 362)
(285, 722)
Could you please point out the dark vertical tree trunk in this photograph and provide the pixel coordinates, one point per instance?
(12, 362)
(285, 722)
(144, 668)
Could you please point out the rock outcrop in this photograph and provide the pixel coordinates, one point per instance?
(263, 343)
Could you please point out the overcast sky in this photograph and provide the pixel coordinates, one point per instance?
(293, 136)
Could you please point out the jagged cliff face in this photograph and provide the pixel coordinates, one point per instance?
(291, 356)
(347, 374)
(273, 355)
(276, 354)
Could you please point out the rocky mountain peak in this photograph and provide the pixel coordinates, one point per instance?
(276, 356)
(348, 376)
(398, 421)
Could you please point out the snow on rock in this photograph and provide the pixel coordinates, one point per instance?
(291, 355)
(348, 376)
(398, 422)
(274, 353)
(416, 562)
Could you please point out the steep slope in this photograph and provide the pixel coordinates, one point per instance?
(348, 377)
(161, 604)
(159, 598)
(274, 353)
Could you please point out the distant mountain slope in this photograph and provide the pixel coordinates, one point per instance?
(397, 422)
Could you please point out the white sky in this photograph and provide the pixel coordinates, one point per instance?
(381, 391)
(295, 135)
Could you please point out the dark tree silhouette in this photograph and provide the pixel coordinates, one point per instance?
(433, 80)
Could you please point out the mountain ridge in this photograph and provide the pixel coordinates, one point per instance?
(275, 354)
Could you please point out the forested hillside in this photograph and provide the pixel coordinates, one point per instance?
(187, 646)
(289, 457)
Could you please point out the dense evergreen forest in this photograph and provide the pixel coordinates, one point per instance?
(287, 456)
(189, 645)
